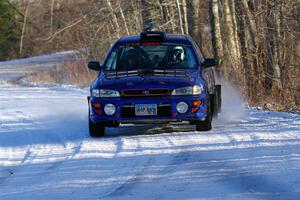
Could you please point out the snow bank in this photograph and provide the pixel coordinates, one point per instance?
(42, 59)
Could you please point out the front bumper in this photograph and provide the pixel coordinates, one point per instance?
(166, 109)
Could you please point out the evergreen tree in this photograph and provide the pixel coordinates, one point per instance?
(8, 29)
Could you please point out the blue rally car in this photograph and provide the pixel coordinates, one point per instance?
(153, 78)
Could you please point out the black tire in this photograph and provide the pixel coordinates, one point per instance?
(219, 98)
(206, 124)
(203, 125)
(96, 130)
(214, 105)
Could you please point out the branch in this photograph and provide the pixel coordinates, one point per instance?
(63, 29)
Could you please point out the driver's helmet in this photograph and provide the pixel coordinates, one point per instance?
(178, 53)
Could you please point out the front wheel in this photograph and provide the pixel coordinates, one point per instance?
(203, 125)
(219, 98)
(96, 130)
(206, 124)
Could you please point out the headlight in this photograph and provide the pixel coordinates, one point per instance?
(109, 93)
(95, 93)
(104, 93)
(191, 90)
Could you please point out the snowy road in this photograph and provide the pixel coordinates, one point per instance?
(46, 153)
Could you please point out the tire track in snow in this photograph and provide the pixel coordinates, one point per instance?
(55, 165)
(33, 153)
(27, 155)
(133, 179)
(6, 172)
(141, 170)
(118, 142)
(176, 160)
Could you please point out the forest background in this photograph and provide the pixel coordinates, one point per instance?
(256, 42)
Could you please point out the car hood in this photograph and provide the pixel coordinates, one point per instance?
(137, 82)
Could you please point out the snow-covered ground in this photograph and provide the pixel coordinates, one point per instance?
(46, 153)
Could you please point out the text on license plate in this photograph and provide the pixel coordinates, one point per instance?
(145, 109)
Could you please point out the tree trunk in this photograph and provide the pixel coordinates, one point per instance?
(185, 15)
(115, 19)
(162, 16)
(235, 28)
(23, 29)
(179, 17)
(172, 15)
(216, 33)
(51, 17)
(146, 13)
(137, 16)
(254, 67)
(195, 20)
(123, 18)
(233, 57)
(277, 62)
(232, 47)
(250, 24)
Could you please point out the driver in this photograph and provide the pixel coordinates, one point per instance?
(175, 57)
(176, 54)
(131, 59)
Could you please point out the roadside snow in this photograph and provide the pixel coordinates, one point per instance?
(15, 69)
(46, 153)
(42, 59)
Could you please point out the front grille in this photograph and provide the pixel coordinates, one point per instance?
(146, 93)
(163, 110)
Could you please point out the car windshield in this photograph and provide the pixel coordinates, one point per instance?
(151, 55)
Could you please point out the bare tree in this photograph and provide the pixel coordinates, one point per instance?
(185, 17)
(180, 17)
(115, 19)
(216, 32)
(24, 28)
(123, 18)
(194, 19)
(256, 42)
(51, 16)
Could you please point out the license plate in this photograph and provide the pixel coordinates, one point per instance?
(145, 109)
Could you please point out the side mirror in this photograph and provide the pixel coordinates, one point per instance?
(94, 65)
(209, 62)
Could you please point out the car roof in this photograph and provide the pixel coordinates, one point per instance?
(181, 39)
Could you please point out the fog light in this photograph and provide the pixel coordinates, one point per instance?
(109, 109)
(182, 107)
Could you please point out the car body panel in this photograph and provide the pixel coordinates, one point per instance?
(150, 82)
(174, 115)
